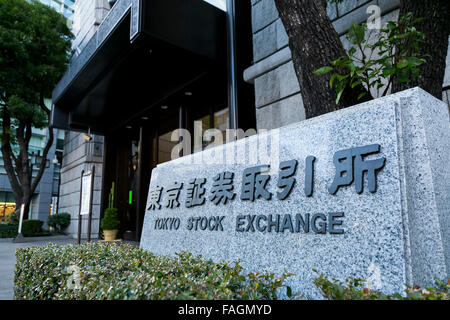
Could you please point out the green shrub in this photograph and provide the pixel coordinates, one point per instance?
(8, 230)
(440, 291)
(13, 218)
(110, 221)
(395, 56)
(59, 221)
(31, 228)
(111, 271)
(357, 289)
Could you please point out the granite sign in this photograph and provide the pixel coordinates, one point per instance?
(349, 165)
(358, 192)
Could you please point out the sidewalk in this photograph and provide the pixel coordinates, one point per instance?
(8, 262)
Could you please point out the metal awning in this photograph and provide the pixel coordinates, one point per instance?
(143, 52)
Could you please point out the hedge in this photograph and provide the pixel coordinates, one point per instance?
(59, 221)
(8, 230)
(31, 228)
(111, 271)
(358, 289)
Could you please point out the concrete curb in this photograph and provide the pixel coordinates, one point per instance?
(38, 239)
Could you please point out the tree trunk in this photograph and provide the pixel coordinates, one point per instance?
(314, 43)
(8, 156)
(18, 167)
(26, 201)
(436, 27)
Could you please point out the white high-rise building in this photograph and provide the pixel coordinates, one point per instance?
(65, 7)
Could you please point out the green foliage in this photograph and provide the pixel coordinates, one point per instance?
(352, 289)
(32, 228)
(14, 217)
(398, 58)
(110, 221)
(59, 221)
(111, 196)
(357, 289)
(35, 46)
(440, 291)
(8, 230)
(125, 272)
(111, 271)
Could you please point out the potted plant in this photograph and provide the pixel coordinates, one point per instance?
(110, 224)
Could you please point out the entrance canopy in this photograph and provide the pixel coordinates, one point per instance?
(142, 53)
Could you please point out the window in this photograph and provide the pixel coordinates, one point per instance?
(7, 205)
(60, 144)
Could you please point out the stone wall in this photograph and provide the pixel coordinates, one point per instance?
(278, 98)
(88, 16)
(81, 155)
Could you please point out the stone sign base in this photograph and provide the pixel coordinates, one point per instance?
(362, 192)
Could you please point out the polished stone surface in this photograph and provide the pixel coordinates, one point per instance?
(397, 235)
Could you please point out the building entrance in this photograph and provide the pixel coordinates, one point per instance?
(151, 68)
(134, 149)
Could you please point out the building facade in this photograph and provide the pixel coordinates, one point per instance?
(117, 152)
(278, 99)
(79, 153)
(65, 7)
(144, 69)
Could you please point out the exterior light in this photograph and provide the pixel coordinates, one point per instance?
(128, 127)
(144, 118)
(188, 93)
(87, 136)
(164, 107)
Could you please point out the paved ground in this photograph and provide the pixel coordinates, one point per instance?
(8, 261)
